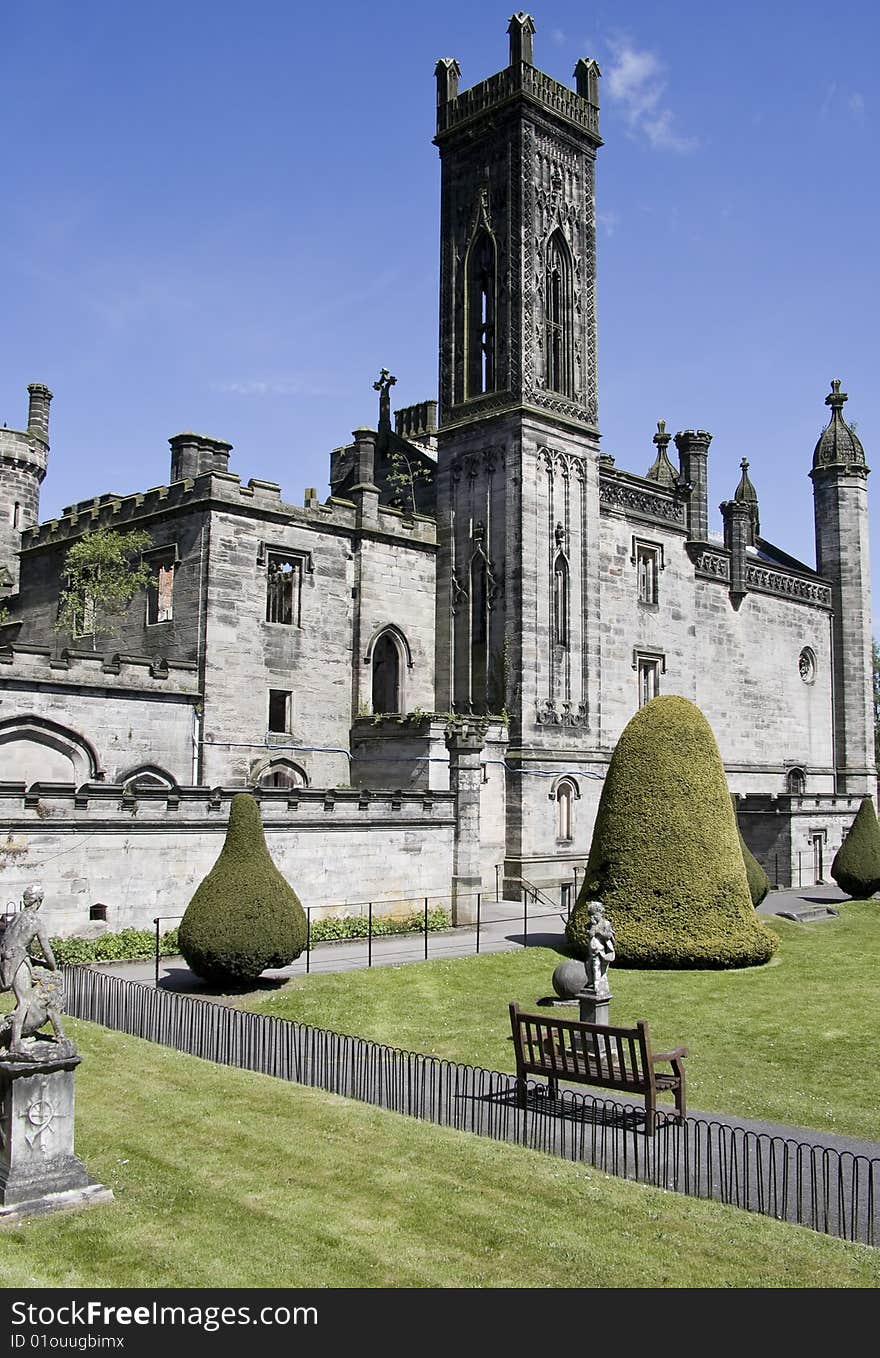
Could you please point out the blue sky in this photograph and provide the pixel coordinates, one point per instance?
(223, 217)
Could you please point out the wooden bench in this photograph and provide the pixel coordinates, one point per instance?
(592, 1054)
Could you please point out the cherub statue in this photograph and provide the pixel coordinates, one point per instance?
(601, 950)
(37, 988)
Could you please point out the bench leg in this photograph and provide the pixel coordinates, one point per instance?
(521, 1091)
(650, 1113)
(552, 1088)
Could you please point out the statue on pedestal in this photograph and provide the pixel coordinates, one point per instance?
(36, 986)
(601, 950)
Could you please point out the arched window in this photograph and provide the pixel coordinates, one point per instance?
(559, 360)
(565, 812)
(479, 308)
(386, 675)
(479, 630)
(282, 773)
(796, 782)
(560, 601)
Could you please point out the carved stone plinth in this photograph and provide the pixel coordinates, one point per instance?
(38, 1169)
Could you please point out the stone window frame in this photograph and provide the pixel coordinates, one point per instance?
(303, 564)
(807, 666)
(160, 559)
(796, 774)
(564, 792)
(644, 549)
(276, 697)
(648, 662)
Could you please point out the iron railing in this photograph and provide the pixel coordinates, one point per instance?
(817, 1186)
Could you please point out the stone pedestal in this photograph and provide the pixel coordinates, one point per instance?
(38, 1169)
(594, 1007)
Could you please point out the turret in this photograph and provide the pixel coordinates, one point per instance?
(23, 458)
(840, 502)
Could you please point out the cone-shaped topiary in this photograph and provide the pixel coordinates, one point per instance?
(759, 882)
(665, 856)
(244, 917)
(856, 866)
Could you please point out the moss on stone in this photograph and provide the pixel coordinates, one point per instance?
(759, 882)
(665, 856)
(245, 916)
(856, 866)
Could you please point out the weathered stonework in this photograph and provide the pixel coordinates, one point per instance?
(477, 562)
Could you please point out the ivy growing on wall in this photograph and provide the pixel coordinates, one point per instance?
(102, 572)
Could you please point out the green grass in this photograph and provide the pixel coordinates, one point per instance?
(228, 1179)
(796, 1041)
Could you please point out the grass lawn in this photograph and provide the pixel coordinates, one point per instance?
(228, 1179)
(796, 1041)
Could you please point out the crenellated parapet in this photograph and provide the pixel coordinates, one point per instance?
(93, 669)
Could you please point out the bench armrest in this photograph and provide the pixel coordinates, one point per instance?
(670, 1056)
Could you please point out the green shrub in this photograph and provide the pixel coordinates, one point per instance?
(856, 866)
(244, 917)
(665, 856)
(357, 926)
(126, 945)
(759, 882)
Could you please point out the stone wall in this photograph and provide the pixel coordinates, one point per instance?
(145, 856)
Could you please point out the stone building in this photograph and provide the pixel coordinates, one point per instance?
(478, 557)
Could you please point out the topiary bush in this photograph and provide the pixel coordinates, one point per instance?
(856, 866)
(244, 917)
(759, 882)
(665, 856)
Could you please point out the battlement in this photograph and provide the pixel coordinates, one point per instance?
(40, 664)
(521, 80)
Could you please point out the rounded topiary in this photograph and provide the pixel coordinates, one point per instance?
(244, 917)
(856, 866)
(759, 882)
(665, 856)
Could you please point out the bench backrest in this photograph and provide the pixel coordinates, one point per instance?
(591, 1053)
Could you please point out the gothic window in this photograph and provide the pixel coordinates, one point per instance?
(284, 589)
(160, 590)
(565, 794)
(386, 675)
(796, 782)
(560, 601)
(479, 631)
(280, 705)
(648, 666)
(559, 361)
(480, 314)
(282, 774)
(648, 558)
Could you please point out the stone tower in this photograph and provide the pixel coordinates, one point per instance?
(23, 458)
(517, 475)
(840, 502)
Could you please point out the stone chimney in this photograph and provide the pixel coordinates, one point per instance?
(38, 410)
(693, 459)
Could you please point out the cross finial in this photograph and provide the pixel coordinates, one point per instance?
(661, 438)
(744, 464)
(383, 386)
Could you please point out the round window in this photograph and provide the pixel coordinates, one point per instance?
(807, 665)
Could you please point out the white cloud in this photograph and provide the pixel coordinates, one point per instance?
(608, 222)
(856, 105)
(558, 37)
(635, 80)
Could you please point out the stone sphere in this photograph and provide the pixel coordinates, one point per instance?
(569, 978)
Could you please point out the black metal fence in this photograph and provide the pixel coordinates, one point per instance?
(828, 1190)
(414, 942)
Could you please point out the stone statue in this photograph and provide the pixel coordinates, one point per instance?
(602, 951)
(37, 988)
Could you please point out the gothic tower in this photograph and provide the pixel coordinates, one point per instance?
(840, 502)
(23, 458)
(517, 476)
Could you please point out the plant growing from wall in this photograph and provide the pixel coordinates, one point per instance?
(102, 573)
(245, 916)
(665, 856)
(856, 866)
(404, 476)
